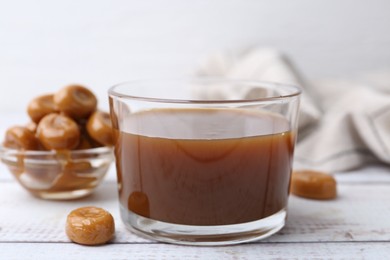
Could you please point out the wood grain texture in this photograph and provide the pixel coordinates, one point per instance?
(359, 214)
(348, 250)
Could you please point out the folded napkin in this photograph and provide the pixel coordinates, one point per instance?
(342, 125)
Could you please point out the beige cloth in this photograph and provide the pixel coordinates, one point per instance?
(343, 124)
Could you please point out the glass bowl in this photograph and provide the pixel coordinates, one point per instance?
(58, 175)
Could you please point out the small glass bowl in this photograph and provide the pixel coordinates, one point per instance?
(58, 175)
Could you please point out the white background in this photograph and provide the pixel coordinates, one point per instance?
(45, 44)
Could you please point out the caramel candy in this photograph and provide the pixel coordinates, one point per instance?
(19, 137)
(58, 132)
(75, 101)
(139, 203)
(40, 107)
(313, 185)
(90, 226)
(99, 128)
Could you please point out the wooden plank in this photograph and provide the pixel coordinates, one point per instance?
(36, 220)
(359, 214)
(371, 174)
(357, 250)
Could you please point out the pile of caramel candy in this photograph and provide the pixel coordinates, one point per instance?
(65, 120)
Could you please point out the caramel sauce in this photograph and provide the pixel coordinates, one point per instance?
(204, 166)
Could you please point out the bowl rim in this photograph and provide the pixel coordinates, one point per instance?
(10, 151)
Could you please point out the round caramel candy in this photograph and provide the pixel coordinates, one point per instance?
(99, 128)
(139, 203)
(19, 137)
(313, 185)
(40, 107)
(58, 132)
(90, 226)
(75, 101)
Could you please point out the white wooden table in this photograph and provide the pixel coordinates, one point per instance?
(355, 226)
